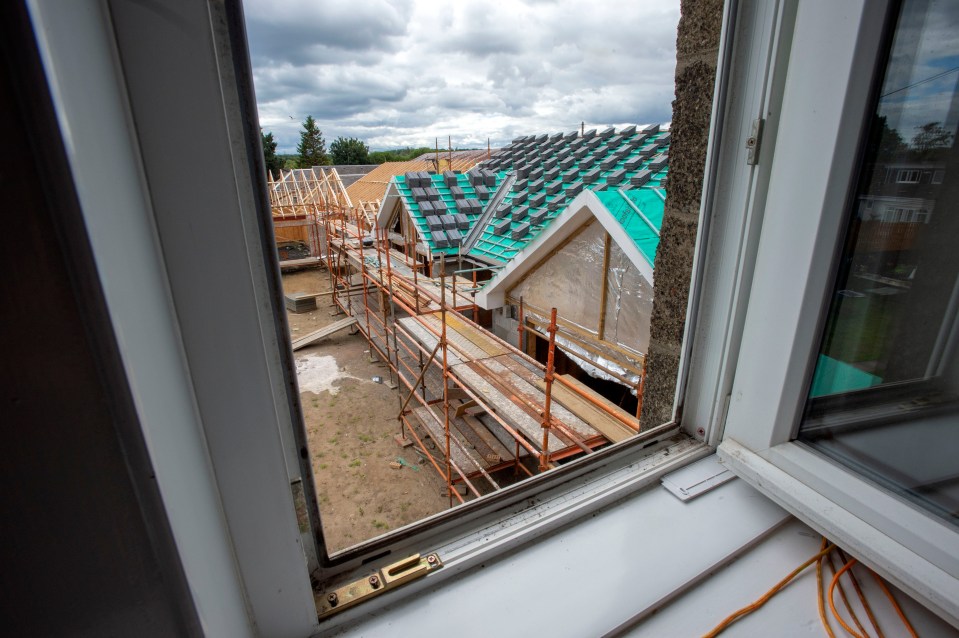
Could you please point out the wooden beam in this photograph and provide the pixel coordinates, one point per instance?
(602, 292)
(326, 331)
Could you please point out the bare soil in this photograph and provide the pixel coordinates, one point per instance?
(350, 422)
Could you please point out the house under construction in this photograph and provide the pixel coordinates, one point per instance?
(368, 191)
(300, 199)
(511, 302)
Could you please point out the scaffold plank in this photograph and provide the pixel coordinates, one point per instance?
(458, 341)
(526, 386)
(428, 339)
(505, 407)
(463, 457)
(482, 341)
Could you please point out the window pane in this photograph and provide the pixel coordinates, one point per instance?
(887, 353)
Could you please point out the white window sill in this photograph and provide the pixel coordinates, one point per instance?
(800, 480)
(605, 571)
(647, 565)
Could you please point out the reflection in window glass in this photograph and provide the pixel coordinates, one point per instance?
(888, 349)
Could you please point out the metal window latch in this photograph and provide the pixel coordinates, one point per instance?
(334, 601)
(754, 141)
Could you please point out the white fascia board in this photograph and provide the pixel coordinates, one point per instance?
(577, 213)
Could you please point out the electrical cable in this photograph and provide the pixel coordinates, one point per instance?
(915, 84)
(832, 605)
(862, 597)
(824, 554)
(845, 600)
(895, 605)
(729, 620)
(821, 603)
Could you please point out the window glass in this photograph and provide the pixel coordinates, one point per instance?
(882, 396)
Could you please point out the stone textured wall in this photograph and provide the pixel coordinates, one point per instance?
(697, 52)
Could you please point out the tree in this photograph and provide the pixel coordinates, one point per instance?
(349, 151)
(398, 155)
(886, 142)
(930, 138)
(272, 162)
(312, 148)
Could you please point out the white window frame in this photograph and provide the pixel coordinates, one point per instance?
(908, 176)
(938, 176)
(830, 47)
(224, 476)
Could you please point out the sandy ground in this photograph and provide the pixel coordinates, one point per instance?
(351, 421)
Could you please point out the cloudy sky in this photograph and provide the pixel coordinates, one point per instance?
(404, 72)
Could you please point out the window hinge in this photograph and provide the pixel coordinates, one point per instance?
(392, 576)
(754, 141)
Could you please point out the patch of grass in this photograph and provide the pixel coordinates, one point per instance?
(361, 511)
(366, 438)
(323, 466)
(380, 524)
(334, 440)
(858, 329)
(355, 463)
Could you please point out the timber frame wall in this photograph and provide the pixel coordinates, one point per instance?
(300, 199)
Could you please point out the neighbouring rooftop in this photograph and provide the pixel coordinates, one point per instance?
(499, 206)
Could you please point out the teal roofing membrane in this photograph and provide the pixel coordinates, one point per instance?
(446, 196)
(550, 171)
(836, 377)
(640, 213)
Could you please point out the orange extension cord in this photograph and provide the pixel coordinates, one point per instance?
(845, 600)
(824, 554)
(748, 609)
(819, 599)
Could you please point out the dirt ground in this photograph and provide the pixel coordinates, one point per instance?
(350, 422)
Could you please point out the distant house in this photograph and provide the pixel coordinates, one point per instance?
(367, 191)
(299, 199)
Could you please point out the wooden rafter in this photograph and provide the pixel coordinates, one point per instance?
(308, 193)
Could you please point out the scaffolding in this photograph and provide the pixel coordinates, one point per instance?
(473, 405)
(300, 199)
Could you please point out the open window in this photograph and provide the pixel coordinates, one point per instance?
(843, 403)
(225, 390)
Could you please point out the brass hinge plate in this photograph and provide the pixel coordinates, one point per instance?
(334, 601)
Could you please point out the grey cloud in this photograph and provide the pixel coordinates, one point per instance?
(308, 32)
(430, 69)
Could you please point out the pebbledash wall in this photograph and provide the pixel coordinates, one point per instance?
(697, 52)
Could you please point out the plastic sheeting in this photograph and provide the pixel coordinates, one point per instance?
(597, 373)
(629, 303)
(570, 280)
